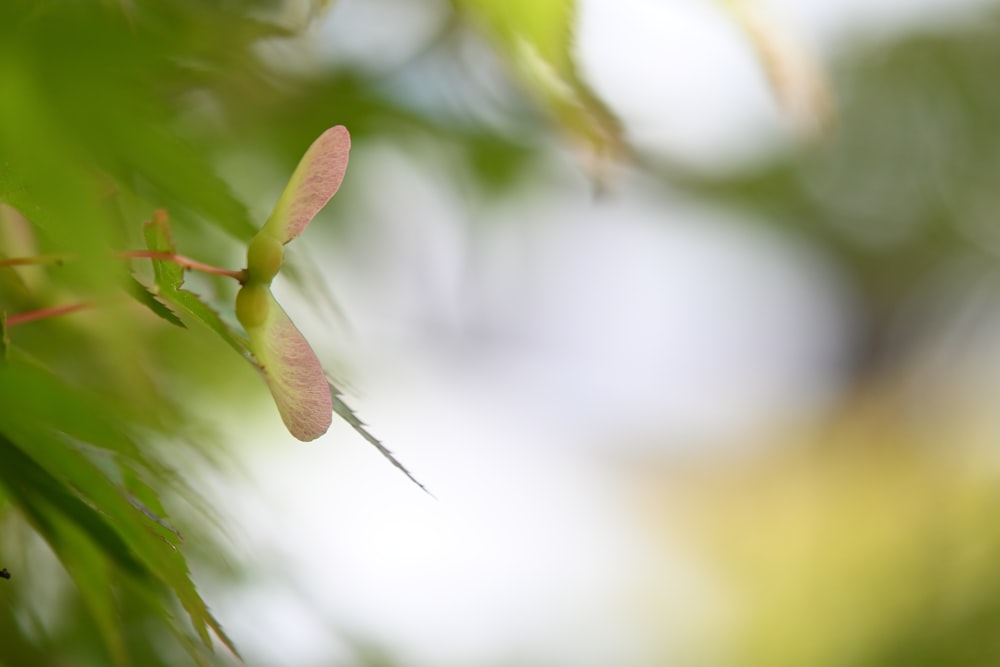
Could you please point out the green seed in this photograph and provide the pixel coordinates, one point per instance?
(252, 302)
(264, 257)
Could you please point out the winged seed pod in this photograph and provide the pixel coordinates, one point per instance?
(288, 363)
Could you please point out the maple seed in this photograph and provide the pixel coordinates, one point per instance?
(252, 303)
(264, 257)
(289, 365)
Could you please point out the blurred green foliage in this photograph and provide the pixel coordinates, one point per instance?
(906, 184)
(111, 110)
(859, 549)
(93, 100)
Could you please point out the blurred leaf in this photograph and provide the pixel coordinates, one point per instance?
(864, 547)
(180, 176)
(123, 120)
(536, 38)
(16, 240)
(51, 464)
(4, 338)
(907, 181)
(103, 117)
(796, 79)
(93, 578)
(41, 398)
(37, 492)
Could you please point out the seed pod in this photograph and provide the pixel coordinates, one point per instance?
(264, 257)
(252, 304)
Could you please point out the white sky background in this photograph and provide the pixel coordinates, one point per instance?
(507, 366)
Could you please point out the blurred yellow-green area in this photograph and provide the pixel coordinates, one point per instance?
(687, 313)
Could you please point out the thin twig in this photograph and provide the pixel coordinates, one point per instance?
(184, 262)
(180, 260)
(38, 259)
(42, 313)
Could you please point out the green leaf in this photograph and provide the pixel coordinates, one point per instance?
(169, 277)
(145, 499)
(345, 413)
(38, 492)
(78, 535)
(45, 425)
(33, 396)
(83, 540)
(93, 577)
(70, 469)
(141, 293)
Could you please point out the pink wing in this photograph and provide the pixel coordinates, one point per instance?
(293, 374)
(315, 180)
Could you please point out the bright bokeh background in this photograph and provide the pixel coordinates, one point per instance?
(646, 417)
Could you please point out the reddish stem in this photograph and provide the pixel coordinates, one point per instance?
(185, 262)
(42, 313)
(181, 260)
(39, 259)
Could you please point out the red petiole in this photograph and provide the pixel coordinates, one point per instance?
(180, 260)
(42, 313)
(184, 262)
(27, 261)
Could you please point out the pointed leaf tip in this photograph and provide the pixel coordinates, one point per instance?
(293, 373)
(345, 412)
(315, 180)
